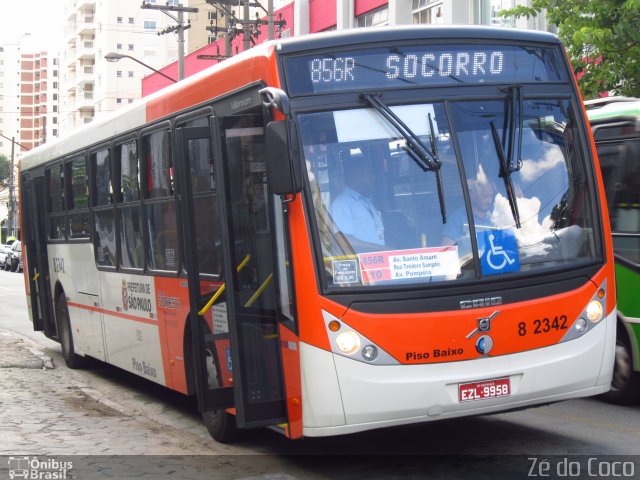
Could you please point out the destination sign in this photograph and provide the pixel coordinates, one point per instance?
(432, 65)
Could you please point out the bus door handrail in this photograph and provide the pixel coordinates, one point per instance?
(222, 288)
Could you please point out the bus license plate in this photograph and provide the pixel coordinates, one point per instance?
(500, 387)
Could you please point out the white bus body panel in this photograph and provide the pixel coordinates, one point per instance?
(132, 336)
(73, 266)
(382, 396)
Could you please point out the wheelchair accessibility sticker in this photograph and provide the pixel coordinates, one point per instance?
(499, 252)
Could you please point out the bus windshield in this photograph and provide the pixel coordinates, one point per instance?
(515, 195)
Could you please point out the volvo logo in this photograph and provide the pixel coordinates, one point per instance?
(484, 344)
(484, 324)
(480, 302)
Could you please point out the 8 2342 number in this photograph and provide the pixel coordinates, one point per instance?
(543, 325)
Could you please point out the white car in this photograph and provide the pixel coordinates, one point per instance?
(4, 250)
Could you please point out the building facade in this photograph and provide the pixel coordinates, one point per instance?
(29, 111)
(300, 17)
(92, 86)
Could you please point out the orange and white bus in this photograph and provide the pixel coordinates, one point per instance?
(336, 233)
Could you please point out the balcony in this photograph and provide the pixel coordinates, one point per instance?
(84, 101)
(85, 76)
(85, 51)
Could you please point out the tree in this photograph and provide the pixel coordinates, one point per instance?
(5, 170)
(602, 38)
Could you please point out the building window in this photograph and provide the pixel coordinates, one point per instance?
(119, 73)
(131, 20)
(55, 131)
(379, 16)
(118, 100)
(118, 46)
(130, 46)
(149, 25)
(130, 74)
(119, 19)
(130, 100)
(55, 96)
(427, 12)
(490, 10)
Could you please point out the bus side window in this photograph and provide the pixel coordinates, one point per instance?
(55, 203)
(78, 198)
(159, 202)
(621, 172)
(128, 205)
(103, 213)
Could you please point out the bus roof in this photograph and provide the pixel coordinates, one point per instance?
(246, 68)
(411, 33)
(614, 108)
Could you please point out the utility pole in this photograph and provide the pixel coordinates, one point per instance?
(179, 28)
(250, 28)
(12, 201)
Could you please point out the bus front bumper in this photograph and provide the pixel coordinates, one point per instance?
(342, 396)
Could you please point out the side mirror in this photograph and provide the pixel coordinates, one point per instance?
(283, 161)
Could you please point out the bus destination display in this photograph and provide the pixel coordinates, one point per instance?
(422, 66)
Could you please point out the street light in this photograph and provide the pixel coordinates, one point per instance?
(114, 57)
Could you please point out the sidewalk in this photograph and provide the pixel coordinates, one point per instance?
(47, 415)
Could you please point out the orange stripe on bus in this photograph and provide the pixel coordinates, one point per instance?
(115, 314)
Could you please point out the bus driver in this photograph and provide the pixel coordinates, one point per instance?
(353, 211)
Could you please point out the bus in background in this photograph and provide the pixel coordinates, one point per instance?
(335, 233)
(615, 122)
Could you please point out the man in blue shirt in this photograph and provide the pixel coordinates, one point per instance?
(353, 211)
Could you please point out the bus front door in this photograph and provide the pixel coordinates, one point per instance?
(37, 264)
(223, 179)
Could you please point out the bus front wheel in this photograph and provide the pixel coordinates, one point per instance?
(71, 358)
(221, 425)
(625, 385)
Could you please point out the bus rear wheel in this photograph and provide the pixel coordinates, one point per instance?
(625, 384)
(71, 358)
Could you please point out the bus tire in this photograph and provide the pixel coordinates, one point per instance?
(625, 384)
(221, 425)
(71, 358)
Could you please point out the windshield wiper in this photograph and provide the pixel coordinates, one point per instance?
(426, 158)
(512, 160)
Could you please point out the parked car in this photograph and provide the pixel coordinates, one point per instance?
(4, 251)
(14, 257)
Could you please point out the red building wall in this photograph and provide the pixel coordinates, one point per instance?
(364, 6)
(322, 15)
(193, 64)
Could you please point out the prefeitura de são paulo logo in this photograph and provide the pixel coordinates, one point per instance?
(125, 297)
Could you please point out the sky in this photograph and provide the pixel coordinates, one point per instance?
(43, 19)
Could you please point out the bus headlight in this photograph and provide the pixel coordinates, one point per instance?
(581, 325)
(348, 342)
(594, 311)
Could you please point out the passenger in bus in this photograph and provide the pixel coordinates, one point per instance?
(353, 212)
(482, 193)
